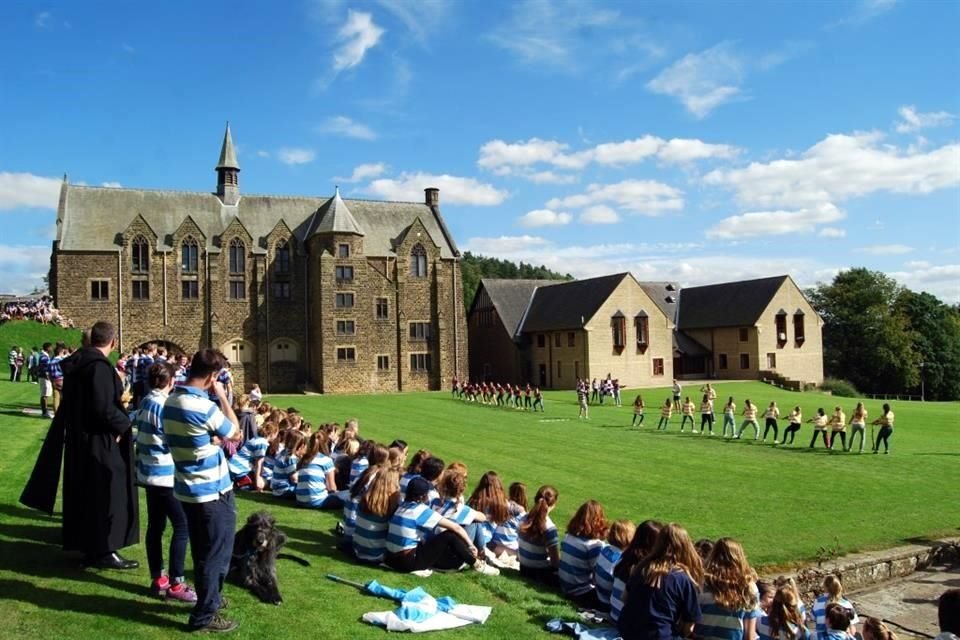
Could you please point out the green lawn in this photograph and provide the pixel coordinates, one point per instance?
(784, 504)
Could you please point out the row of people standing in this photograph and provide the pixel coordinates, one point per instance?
(523, 397)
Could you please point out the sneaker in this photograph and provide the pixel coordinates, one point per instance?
(422, 573)
(484, 569)
(218, 624)
(159, 587)
(694, 431)
(224, 603)
(184, 593)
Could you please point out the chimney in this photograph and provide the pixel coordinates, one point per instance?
(431, 197)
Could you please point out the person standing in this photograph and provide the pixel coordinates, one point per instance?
(858, 421)
(192, 426)
(100, 506)
(885, 421)
(677, 389)
(12, 360)
(55, 373)
(838, 425)
(43, 376)
(706, 413)
(32, 363)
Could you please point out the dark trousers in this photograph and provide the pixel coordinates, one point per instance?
(791, 431)
(683, 422)
(843, 439)
(884, 437)
(826, 440)
(771, 424)
(13, 372)
(706, 419)
(446, 550)
(543, 575)
(163, 506)
(212, 526)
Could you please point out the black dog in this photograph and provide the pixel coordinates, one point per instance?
(256, 548)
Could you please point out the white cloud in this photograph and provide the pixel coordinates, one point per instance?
(505, 245)
(22, 267)
(911, 120)
(293, 156)
(544, 218)
(500, 157)
(261, 153)
(42, 20)
(885, 249)
(365, 172)
(358, 35)
(702, 81)
(409, 187)
(421, 18)
(832, 232)
(549, 177)
(942, 280)
(27, 190)
(644, 197)
(682, 151)
(111, 185)
(347, 127)
(863, 11)
(840, 167)
(774, 223)
(599, 214)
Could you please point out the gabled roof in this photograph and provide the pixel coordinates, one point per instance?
(665, 295)
(684, 345)
(569, 305)
(92, 217)
(511, 298)
(731, 304)
(228, 157)
(335, 217)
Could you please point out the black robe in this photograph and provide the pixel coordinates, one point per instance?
(100, 506)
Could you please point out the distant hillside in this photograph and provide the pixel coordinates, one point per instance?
(28, 333)
(474, 267)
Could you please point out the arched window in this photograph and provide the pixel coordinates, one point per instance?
(418, 262)
(238, 257)
(281, 264)
(283, 350)
(239, 351)
(189, 256)
(140, 255)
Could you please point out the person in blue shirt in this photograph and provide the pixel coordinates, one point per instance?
(730, 600)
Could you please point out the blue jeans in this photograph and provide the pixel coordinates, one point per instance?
(162, 505)
(212, 527)
(728, 421)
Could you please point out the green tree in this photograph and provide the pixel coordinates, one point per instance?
(936, 339)
(867, 337)
(473, 268)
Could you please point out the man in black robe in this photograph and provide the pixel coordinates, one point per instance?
(100, 507)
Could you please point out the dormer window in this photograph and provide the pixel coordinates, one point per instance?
(781, 328)
(418, 262)
(798, 329)
(140, 255)
(618, 324)
(641, 324)
(281, 265)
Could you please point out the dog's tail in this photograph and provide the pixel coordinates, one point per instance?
(301, 561)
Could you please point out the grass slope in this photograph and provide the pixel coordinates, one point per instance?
(784, 504)
(27, 333)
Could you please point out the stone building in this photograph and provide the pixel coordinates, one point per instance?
(331, 294)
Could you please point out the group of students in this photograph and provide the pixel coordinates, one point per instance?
(521, 397)
(828, 427)
(40, 310)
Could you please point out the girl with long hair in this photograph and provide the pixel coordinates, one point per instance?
(729, 419)
(832, 594)
(749, 418)
(794, 420)
(489, 499)
(640, 545)
(284, 480)
(538, 539)
(505, 540)
(638, 407)
(820, 422)
(666, 411)
(662, 600)
(785, 620)
(858, 424)
(706, 413)
(374, 509)
(316, 478)
(579, 553)
(874, 629)
(618, 538)
(885, 421)
(772, 415)
(687, 410)
(730, 599)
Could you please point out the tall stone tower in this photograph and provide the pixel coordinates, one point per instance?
(228, 172)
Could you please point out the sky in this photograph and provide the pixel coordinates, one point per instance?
(696, 142)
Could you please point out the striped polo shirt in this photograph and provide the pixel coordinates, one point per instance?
(143, 368)
(603, 572)
(506, 532)
(409, 525)
(719, 623)
(311, 488)
(357, 467)
(456, 510)
(533, 554)
(190, 422)
(405, 480)
(54, 370)
(578, 557)
(616, 598)
(765, 633)
(370, 536)
(284, 466)
(154, 462)
(820, 614)
(242, 461)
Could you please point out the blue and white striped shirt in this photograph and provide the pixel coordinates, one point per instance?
(456, 510)
(720, 623)
(603, 572)
(312, 482)
(409, 525)
(765, 633)
(820, 614)
(533, 554)
(43, 365)
(143, 368)
(370, 536)
(578, 557)
(54, 371)
(284, 466)
(505, 534)
(357, 467)
(190, 422)
(616, 598)
(405, 480)
(154, 462)
(242, 461)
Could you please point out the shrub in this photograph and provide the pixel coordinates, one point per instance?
(842, 388)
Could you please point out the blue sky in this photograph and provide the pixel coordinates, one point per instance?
(691, 141)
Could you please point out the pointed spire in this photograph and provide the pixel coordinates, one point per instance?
(228, 157)
(337, 217)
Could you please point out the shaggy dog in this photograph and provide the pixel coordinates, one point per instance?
(256, 548)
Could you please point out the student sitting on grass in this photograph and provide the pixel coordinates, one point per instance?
(730, 599)
(874, 629)
(431, 470)
(767, 591)
(839, 625)
(374, 508)
(505, 540)
(283, 484)
(246, 465)
(413, 470)
(316, 483)
(785, 620)
(666, 411)
(640, 545)
(579, 553)
(451, 487)
(832, 594)
(618, 538)
(489, 499)
(948, 614)
(687, 409)
(539, 542)
(411, 545)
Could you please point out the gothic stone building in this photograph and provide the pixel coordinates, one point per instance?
(331, 294)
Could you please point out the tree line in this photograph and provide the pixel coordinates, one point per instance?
(474, 267)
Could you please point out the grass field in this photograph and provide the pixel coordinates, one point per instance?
(786, 505)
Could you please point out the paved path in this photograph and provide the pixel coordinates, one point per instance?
(909, 606)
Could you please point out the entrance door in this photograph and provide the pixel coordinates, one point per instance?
(543, 376)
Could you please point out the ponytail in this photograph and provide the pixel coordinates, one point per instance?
(878, 630)
(535, 524)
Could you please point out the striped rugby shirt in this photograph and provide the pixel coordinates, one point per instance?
(765, 633)
(311, 488)
(719, 623)
(506, 533)
(616, 598)
(242, 461)
(408, 526)
(190, 422)
(578, 557)
(820, 614)
(357, 467)
(284, 466)
(603, 572)
(370, 536)
(154, 462)
(534, 554)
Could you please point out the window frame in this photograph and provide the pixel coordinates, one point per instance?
(658, 367)
(780, 328)
(102, 291)
(541, 341)
(282, 259)
(418, 261)
(237, 258)
(190, 256)
(744, 358)
(281, 290)
(571, 338)
(744, 334)
(772, 361)
(723, 363)
(618, 326)
(349, 355)
(343, 296)
(140, 296)
(799, 337)
(345, 327)
(343, 251)
(420, 331)
(641, 327)
(383, 363)
(340, 273)
(378, 303)
(420, 358)
(237, 289)
(139, 256)
(196, 288)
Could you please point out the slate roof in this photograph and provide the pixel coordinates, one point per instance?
(92, 218)
(686, 346)
(665, 295)
(511, 298)
(731, 304)
(568, 305)
(335, 217)
(228, 156)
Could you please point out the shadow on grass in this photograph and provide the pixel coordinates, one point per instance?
(16, 511)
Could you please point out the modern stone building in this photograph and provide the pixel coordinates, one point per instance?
(331, 294)
(643, 333)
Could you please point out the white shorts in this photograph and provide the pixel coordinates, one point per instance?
(46, 388)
